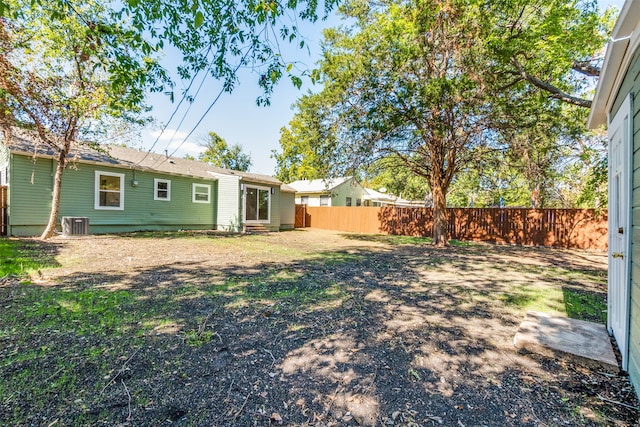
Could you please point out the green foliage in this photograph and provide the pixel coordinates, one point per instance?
(398, 179)
(66, 68)
(213, 36)
(219, 154)
(308, 146)
(503, 118)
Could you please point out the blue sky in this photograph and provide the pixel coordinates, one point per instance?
(235, 117)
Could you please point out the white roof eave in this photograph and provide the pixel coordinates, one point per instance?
(624, 40)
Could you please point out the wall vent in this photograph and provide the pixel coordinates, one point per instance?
(75, 226)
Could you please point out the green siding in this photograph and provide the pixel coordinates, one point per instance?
(631, 84)
(31, 188)
(349, 188)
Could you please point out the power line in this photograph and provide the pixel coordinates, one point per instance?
(215, 100)
(175, 111)
(184, 116)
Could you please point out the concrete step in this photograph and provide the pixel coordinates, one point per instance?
(586, 342)
(254, 229)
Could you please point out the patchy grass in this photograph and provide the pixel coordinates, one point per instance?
(534, 297)
(589, 306)
(230, 331)
(22, 257)
(401, 240)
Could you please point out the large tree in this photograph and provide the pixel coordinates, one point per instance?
(442, 84)
(219, 153)
(55, 78)
(308, 144)
(403, 82)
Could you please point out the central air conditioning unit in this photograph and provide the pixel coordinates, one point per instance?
(75, 226)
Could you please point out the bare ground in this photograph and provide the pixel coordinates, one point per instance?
(298, 328)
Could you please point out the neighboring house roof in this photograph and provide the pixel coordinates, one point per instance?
(317, 185)
(625, 39)
(129, 158)
(376, 196)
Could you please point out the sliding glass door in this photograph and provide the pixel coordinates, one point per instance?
(257, 204)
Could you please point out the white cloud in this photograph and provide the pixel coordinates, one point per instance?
(183, 148)
(174, 143)
(168, 134)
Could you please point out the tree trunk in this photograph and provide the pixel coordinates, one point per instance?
(55, 199)
(440, 221)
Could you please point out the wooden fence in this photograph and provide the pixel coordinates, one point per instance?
(4, 192)
(567, 228)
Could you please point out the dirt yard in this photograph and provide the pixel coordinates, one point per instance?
(296, 328)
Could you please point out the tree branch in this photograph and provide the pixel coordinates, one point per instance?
(586, 68)
(553, 91)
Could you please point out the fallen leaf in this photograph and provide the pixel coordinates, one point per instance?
(275, 418)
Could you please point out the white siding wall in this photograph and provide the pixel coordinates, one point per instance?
(314, 199)
(287, 210)
(229, 216)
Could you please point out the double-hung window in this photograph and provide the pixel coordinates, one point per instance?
(109, 191)
(324, 200)
(161, 189)
(201, 193)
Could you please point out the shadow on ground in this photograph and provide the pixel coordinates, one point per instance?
(393, 335)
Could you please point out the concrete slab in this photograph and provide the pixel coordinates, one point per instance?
(553, 336)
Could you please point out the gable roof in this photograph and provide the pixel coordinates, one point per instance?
(318, 185)
(371, 194)
(625, 39)
(117, 156)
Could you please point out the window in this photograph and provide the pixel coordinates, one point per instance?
(358, 202)
(201, 193)
(304, 200)
(348, 201)
(161, 189)
(324, 200)
(257, 204)
(109, 191)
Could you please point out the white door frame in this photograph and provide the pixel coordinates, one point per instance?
(620, 192)
(244, 204)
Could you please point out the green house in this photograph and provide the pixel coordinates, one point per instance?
(616, 105)
(120, 189)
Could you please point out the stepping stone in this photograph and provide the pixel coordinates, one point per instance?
(587, 342)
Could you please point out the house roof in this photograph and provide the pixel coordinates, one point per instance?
(129, 158)
(286, 188)
(317, 185)
(374, 195)
(624, 41)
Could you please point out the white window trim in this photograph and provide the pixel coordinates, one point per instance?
(244, 207)
(156, 181)
(96, 200)
(325, 197)
(193, 193)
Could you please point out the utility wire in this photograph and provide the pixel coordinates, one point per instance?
(202, 117)
(184, 116)
(175, 111)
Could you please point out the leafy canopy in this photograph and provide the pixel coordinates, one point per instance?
(219, 153)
